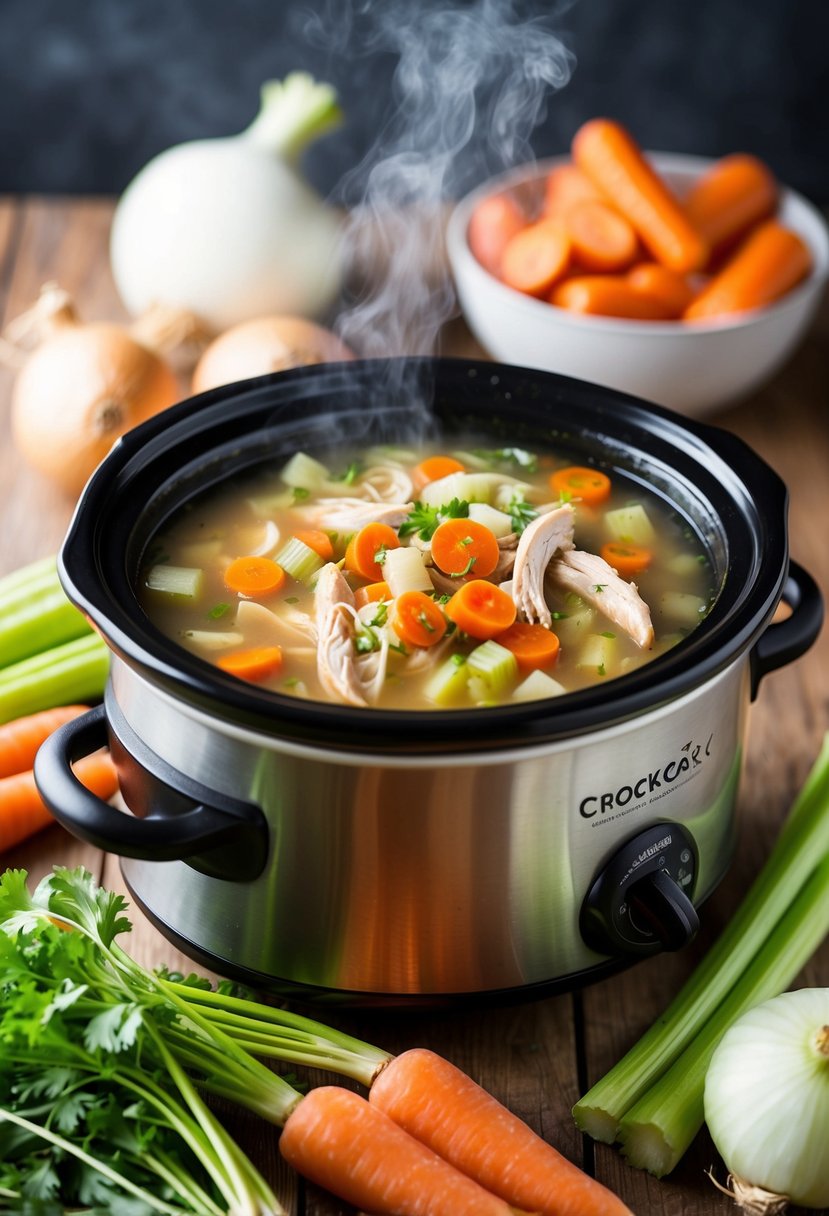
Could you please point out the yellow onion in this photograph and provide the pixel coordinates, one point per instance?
(263, 345)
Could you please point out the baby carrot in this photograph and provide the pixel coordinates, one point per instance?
(605, 151)
(627, 560)
(736, 193)
(657, 282)
(22, 810)
(255, 664)
(320, 542)
(254, 576)
(463, 546)
(481, 609)
(353, 1149)
(417, 619)
(20, 738)
(566, 187)
(606, 295)
(534, 646)
(536, 257)
(771, 261)
(601, 239)
(367, 549)
(584, 484)
(438, 1104)
(493, 223)
(433, 468)
(372, 593)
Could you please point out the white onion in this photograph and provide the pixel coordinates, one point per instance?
(767, 1100)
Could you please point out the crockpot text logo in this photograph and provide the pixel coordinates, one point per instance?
(690, 757)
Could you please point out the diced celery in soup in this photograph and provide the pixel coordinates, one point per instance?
(428, 578)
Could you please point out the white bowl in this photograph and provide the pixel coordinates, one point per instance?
(692, 368)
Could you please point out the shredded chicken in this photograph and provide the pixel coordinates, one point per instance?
(336, 656)
(351, 514)
(599, 585)
(540, 541)
(385, 483)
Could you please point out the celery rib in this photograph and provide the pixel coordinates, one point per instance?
(802, 844)
(35, 613)
(74, 672)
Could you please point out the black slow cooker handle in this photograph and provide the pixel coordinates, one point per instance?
(787, 640)
(236, 829)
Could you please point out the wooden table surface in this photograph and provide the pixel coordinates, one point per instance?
(537, 1057)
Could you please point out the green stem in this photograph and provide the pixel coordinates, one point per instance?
(656, 1132)
(802, 843)
(73, 672)
(293, 112)
(35, 614)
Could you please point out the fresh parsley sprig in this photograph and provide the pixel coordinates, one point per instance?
(424, 519)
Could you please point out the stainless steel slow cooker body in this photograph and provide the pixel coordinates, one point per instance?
(390, 856)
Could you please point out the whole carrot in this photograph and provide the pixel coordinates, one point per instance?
(22, 810)
(609, 156)
(438, 1104)
(565, 187)
(20, 738)
(670, 288)
(771, 261)
(353, 1149)
(736, 193)
(608, 295)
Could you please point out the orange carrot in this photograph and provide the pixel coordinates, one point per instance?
(736, 193)
(433, 468)
(463, 546)
(565, 187)
(584, 484)
(536, 257)
(438, 1104)
(20, 739)
(372, 593)
(255, 664)
(417, 619)
(601, 239)
(481, 609)
(493, 223)
(533, 645)
(320, 542)
(366, 546)
(771, 261)
(353, 1149)
(23, 811)
(657, 282)
(606, 295)
(254, 576)
(627, 560)
(609, 156)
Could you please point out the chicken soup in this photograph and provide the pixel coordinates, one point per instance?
(435, 578)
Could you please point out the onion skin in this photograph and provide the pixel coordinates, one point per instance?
(264, 345)
(82, 388)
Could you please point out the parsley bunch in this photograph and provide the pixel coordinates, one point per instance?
(423, 519)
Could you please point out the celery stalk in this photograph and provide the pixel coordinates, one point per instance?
(656, 1132)
(73, 672)
(35, 613)
(802, 845)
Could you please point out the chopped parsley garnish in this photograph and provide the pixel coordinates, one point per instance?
(601, 669)
(399, 647)
(516, 458)
(352, 473)
(380, 555)
(424, 519)
(599, 587)
(560, 616)
(607, 634)
(366, 640)
(380, 615)
(467, 567)
(521, 513)
(292, 599)
(218, 611)
(425, 622)
(300, 493)
(459, 660)
(291, 683)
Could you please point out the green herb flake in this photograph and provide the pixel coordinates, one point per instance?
(466, 569)
(521, 513)
(459, 660)
(380, 615)
(300, 493)
(516, 458)
(366, 641)
(601, 669)
(560, 616)
(425, 622)
(290, 683)
(380, 555)
(424, 519)
(218, 611)
(599, 587)
(291, 599)
(607, 634)
(398, 648)
(352, 473)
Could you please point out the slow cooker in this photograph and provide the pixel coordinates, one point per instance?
(406, 857)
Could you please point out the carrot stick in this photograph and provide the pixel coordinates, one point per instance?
(417, 619)
(566, 187)
(657, 282)
(481, 609)
(366, 550)
(254, 576)
(736, 193)
(611, 159)
(255, 664)
(23, 811)
(20, 738)
(534, 646)
(493, 223)
(463, 546)
(771, 261)
(438, 1104)
(601, 239)
(353, 1149)
(606, 295)
(536, 257)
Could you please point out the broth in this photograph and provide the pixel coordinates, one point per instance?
(428, 578)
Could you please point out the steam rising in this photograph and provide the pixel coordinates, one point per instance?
(471, 83)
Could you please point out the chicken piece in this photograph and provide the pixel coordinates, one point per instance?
(350, 514)
(336, 656)
(599, 585)
(538, 544)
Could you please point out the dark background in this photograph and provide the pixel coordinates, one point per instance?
(91, 89)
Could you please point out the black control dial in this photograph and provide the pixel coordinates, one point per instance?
(640, 902)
